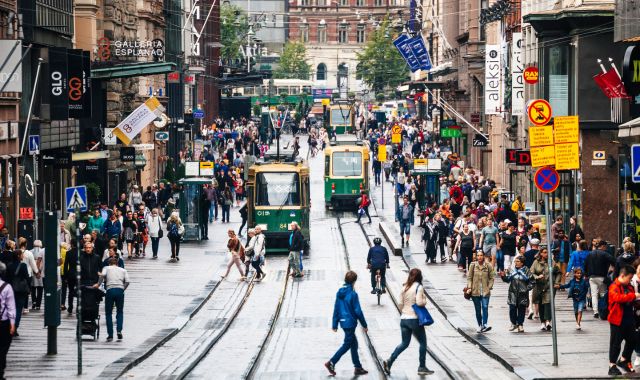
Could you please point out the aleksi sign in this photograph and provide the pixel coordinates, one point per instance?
(517, 82)
(492, 80)
(130, 48)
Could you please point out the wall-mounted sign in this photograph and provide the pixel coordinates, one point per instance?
(162, 136)
(127, 154)
(173, 77)
(517, 82)
(108, 49)
(26, 213)
(511, 156)
(523, 158)
(492, 80)
(599, 155)
(530, 75)
(79, 94)
(58, 81)
(13, 61)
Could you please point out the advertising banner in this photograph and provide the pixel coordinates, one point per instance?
(419, 50)
(492, 80)
(58, 83)
(402, 44)
(137, 120)
(517, 81)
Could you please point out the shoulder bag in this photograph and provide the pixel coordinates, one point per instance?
(19, 285)
(160, 231)
(424, 317)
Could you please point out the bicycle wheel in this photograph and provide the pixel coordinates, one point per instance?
(379, 295)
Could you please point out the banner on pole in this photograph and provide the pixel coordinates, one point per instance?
(402, 44)
(492, 80)
(419, 49)
(517, 81)
(130, 127)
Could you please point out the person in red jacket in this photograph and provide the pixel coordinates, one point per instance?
(622, 321)
(363, 206)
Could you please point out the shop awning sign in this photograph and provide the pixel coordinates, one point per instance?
(142, 116)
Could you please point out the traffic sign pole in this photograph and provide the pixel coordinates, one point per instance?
(554, 334)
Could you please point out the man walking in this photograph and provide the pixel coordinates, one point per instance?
(596, 268)
(405, 216)
(296, 245)
(347, 312)
(116, 281)
(7, 319)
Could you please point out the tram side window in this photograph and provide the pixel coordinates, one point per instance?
(278, 189)
(347, 164)
(327, 165)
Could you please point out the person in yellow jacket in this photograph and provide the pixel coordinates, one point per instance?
(517, 205)
(63, 255)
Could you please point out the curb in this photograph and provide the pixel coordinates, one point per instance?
(139, 353)
(389, 237)
(493, 350)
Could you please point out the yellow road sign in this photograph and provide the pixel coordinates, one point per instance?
(382, 152)
(567, 156)
(420, 164)
(566, 129)
(543, 156)
(540, 136)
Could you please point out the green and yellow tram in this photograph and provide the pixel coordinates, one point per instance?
(278, 194)
(346, 174)
(341, 118)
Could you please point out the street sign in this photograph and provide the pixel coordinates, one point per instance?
(198, 114)
(543, 156)
(546, 179)
(76, 198)
(480, 140)
(127, 154)
(109, 137)
(539, 112)
(396, 134)
(635, 162)
(566, 129)
(206, 168)
(450, 132)
(541, 136)
(34, 144)
(162, 136)
(382, 153)
(530, 75)
(420, 164)
(567, 156)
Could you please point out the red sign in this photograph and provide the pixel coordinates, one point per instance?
(189, 79)
(539, 112)
(523, 157)
(26, 213)
(530, 75)
(475, 118)
(512, 156)
(611, 84)
(173, 77)
(547, 179)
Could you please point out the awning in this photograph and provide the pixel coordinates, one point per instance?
(133, 70)
(630, 128)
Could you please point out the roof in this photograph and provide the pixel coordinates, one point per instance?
(278, 167)
(195, 180)
(630, 128)
(132, 70)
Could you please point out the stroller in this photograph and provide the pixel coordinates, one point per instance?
(90, 324)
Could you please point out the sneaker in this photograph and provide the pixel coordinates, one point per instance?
(626, 365)
(443, 260)
(177, 258)
(543, 327)
(520, 329)
(360, 371)
(480, 330)
(425, 371)
(596, 315)
(120, 336)
(636, 362)
(386, 367)
(614, 371)
(264, 274)
(530, 316)
(25, 311)
(486, 328)
(109, 338)
(332, 370)
(548, 327)
(513, 327)
(578, 327)
(373, 291)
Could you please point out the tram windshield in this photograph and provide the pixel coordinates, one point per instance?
(341, 116)
(278, 189)
(347, 164)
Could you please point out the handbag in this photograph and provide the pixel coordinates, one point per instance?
(20, 285)
(466, 292)
(160, 231)
(424, 317)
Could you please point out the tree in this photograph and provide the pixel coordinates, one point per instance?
(380, 64)
(233, 31)
(292, 62)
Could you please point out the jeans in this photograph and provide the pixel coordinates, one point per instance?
(155, 242)
(175, 247)
(376, 174)
(366, 211)
(294, 262)
(597, 290)
(256, 266)
(5, 343)
(516, 314)
(500, 260)
(443, 248)
(36, 296)
(20, 299)
(204, 229)
(616, 336)
(225, 212)
(383, 280)
(71, 285)
(350, 344)
(482, 309)
(114, 295)
(213, 211)
(410, 327)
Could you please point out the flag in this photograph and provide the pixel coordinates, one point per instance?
(611, 84)
(137, 120)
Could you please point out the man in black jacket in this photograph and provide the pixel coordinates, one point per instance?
(596, 267)
(71, 273)
(90, 266)
(378, 260)
(296, 246)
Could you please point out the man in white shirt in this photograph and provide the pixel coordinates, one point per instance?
(116, 281)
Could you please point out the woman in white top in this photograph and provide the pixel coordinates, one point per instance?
(412, 293)
(154, 224)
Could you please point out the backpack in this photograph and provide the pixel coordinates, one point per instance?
(173, 231)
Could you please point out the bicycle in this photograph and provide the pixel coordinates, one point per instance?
(378, 288)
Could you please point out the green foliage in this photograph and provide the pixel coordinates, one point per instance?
(93, 192)
(233, 30)
(380, 97)
(257, 110)
(292, 62)
(181, 172)
(380, 64)
(169, 172)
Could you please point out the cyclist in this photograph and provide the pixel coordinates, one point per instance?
(378, 259)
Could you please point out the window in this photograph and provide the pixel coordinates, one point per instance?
(322, 33)
(340, 116)
(321, 72)
(304, 32)
(347, 164)
(558, 66)
(361, 3)
(343, 34)
(322, 2)
(379, 3)
(304, 2)
(278, 189)
(248, 91)
(361, 34)
(344, 3)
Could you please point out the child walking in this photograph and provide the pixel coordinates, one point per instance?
(578, 289)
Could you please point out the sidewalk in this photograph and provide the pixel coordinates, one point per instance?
(159, 300)
(581, 353)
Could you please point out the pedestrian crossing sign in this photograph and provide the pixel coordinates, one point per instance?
(76, 198)
(635, 163)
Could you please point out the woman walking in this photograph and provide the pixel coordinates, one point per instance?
(227, 201)
(465, 246)
(479, 285)
(154, 226)
(174, 226)
(520, 282)
(237, 254)
(541, 295)
(130, 227)
(18, 277)
(412, 294)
